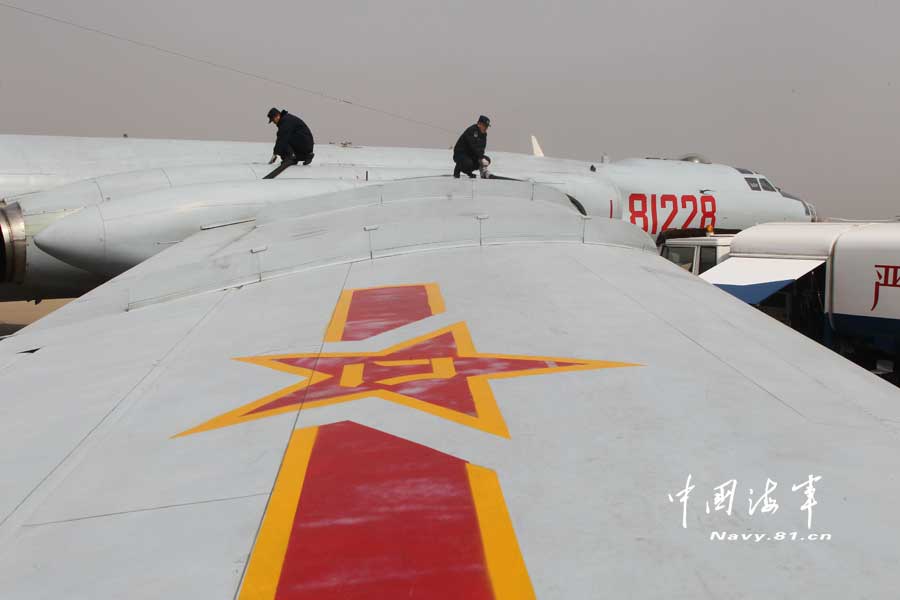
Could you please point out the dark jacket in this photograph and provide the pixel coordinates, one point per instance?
(471, 144)
(293, 136)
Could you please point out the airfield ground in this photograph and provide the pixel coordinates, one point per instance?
(16, 315)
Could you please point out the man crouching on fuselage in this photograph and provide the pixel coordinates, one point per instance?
(468, 154)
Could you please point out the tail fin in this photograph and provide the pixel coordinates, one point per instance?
(536, 147)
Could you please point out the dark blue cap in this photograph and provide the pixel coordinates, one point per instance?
(272, 112)
(485, 120)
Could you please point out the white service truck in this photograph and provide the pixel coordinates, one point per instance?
(836, 282)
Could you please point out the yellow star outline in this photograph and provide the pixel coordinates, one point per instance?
(487, 418)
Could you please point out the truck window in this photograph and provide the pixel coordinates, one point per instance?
(707, 258)
(682, 256)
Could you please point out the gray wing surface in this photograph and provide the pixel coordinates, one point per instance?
(434, 389)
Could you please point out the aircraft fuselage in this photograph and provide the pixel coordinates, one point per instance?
(134, 198)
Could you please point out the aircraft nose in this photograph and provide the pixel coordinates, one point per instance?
(78, 239)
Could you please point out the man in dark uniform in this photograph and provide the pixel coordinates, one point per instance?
(468, 154)
(294, 142)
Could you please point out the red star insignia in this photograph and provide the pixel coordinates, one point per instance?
(440, 373)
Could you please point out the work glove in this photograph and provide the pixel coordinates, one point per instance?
(485, 163)
(272, 160)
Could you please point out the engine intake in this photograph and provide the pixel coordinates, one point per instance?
(12, 243)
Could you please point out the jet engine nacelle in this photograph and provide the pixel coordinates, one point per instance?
(12, 243)
(27, 273)
(109, 238)
(164, 212)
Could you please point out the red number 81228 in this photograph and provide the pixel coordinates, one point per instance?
(646, 215)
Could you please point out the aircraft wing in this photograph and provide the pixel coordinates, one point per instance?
(436, 389)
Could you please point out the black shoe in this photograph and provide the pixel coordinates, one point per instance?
(309, 159)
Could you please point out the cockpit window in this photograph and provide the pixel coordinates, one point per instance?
(744, 171)
(753, 182)
(766, 185)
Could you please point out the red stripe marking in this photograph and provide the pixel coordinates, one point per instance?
(382, 517)
(377, 310)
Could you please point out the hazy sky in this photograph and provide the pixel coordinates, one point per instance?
(806, 92)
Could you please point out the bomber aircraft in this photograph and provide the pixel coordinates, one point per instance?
(367, 379)
(136, 197)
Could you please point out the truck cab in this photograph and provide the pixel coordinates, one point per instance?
(697, 254)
